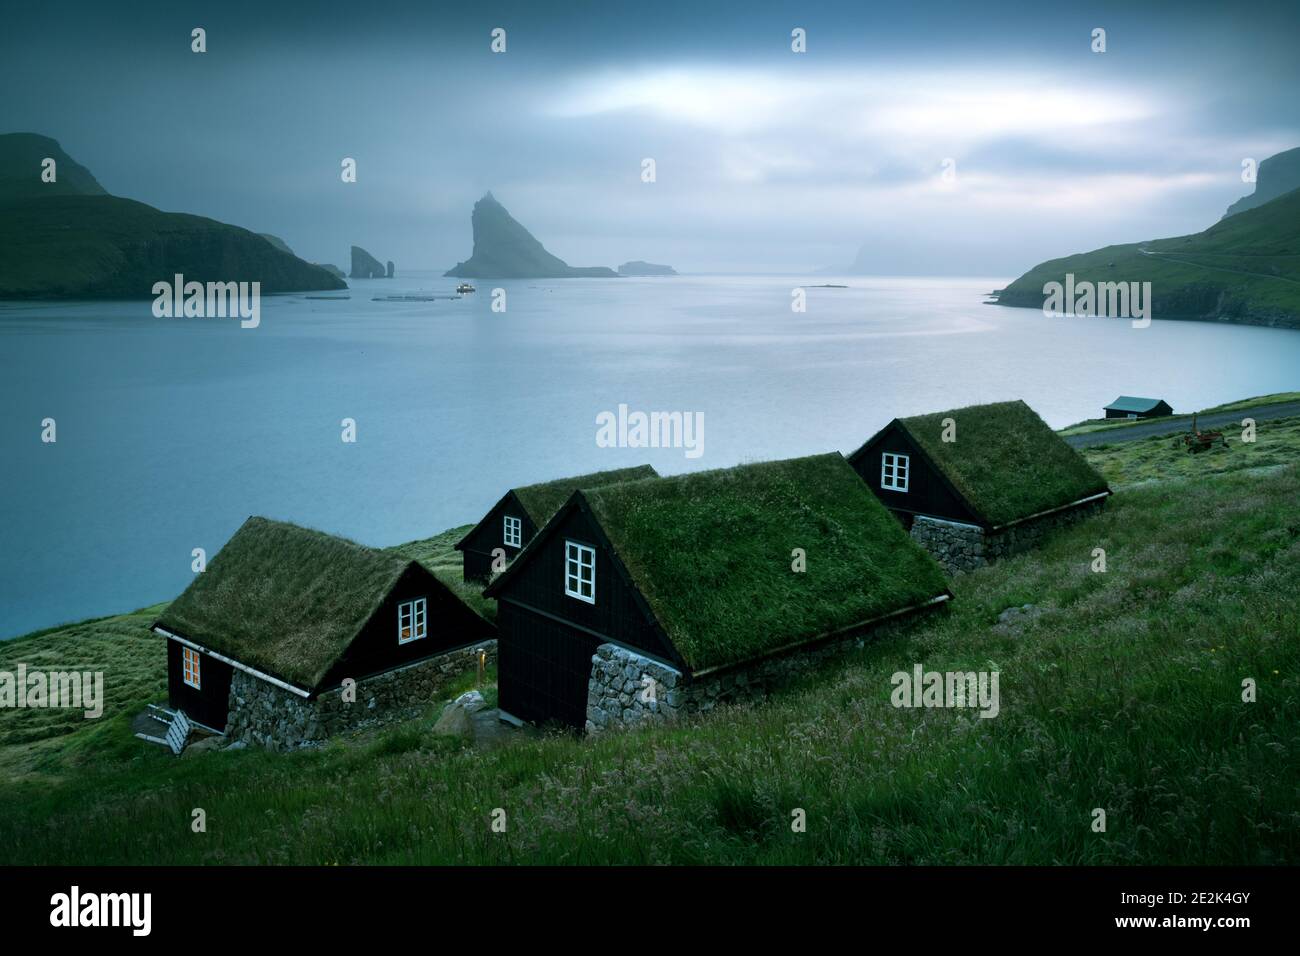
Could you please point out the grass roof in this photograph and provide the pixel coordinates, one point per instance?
(1006, 462)
(711, 553)
(544, 499)
(284, 599)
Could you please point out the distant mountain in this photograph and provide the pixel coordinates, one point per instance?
(366, 266)
(70, 239)
(1245, 268)
(639, 268)
(105, 247)
(1276, 176)
(277, 242)
(504, 249)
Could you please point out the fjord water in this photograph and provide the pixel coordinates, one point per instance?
(172, 431)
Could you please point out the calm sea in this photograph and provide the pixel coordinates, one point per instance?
(170, 432)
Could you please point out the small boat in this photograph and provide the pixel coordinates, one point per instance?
(465, 287)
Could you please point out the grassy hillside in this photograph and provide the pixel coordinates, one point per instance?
(1155, 459)
(108, 247)
(1121, 690)
(1245, 268)
(1109, 424)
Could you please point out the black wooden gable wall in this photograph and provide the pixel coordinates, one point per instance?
(376, 648)
(619, 615)
(546, 638)
(489, 534)
(209, 703)
(928, 492)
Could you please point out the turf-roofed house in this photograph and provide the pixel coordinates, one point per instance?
(512, 521)
(646, 600)
(980, 483)
(293, 635)
(1132, 406)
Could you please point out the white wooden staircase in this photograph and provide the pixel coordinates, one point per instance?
(158, 725)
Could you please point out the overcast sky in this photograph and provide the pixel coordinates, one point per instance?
(767, 160)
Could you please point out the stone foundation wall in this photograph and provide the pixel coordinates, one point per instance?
(618, 694)
(264, 715)
(956, 546)
(1030, 534)
(965, 547)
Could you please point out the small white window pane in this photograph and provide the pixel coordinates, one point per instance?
(580, 572)
(893, 471)
(421, 629)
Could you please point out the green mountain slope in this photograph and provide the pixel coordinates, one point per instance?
(1245, 268)
(113, 248)
(21, 156)
(71, 239)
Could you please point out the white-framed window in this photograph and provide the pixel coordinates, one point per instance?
(580, 571)
(514, 531)
(893, 471)
(412, 621)
(190, 668)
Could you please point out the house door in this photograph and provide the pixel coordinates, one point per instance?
(543, 668)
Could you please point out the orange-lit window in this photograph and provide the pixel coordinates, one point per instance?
(190, 667)
(411, 621)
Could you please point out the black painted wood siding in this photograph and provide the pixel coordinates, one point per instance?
(210, 703)
(489, 534)
(927, 493)
(451, 624)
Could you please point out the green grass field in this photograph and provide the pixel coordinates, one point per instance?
(1277, 443)
(1107, 424)
(1123, 692)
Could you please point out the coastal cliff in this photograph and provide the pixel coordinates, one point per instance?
(366, 266)
(70, 239)
(1277, 176)
(1244, 269)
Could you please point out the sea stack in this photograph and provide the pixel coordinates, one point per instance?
(365, 266)
(390, 269)
(504, 249)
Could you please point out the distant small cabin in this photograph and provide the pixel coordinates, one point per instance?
(643, 600)
(975, 484)
(1128, 406)
(260, 643)
(512, 521)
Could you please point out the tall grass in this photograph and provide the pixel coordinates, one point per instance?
(1124, 693)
